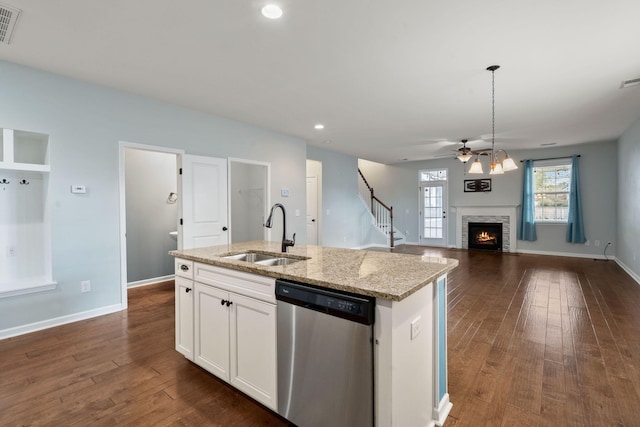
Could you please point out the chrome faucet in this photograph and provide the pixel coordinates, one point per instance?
(285, 243)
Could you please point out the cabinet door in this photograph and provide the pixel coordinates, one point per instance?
(253, 349)
(212, 330)
(184, 317)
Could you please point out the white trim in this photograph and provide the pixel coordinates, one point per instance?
(565, 254)
(122, 145)
(505, 210)
(45, 285)
(58, 321)
(151, 281)
(372, 245)
(442, 411)
(630, 272)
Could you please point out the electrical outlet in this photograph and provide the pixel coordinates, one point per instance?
(587, 243)
(609, 243)
(597, 243)
(11, 251)
(416, 327)
(85, 286)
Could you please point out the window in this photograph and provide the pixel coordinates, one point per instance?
(552, 182)
(433, 175)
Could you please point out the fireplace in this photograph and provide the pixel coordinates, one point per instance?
(485, 235)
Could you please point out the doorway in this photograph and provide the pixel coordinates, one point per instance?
(433, 207)
(135, 198)
(249, 184)
(314, 202)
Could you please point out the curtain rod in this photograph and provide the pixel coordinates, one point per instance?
(552, 158)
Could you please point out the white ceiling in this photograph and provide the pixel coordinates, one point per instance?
(390, 80)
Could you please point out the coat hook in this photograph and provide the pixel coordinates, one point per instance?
(24, 182)
(4, 181)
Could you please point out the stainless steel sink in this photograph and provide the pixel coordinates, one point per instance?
(278, 261)
(263, 259)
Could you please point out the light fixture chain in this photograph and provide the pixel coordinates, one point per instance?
(493, 108)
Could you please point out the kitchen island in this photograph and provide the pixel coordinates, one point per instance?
(410, 371)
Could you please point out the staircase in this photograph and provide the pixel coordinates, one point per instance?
(381, 213)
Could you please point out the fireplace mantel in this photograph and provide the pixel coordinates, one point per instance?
(479, 210)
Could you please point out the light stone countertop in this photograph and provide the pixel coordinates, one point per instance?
(379, 274)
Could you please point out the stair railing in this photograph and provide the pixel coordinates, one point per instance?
(382, 213)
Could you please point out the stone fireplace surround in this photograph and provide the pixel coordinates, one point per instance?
(506, 215)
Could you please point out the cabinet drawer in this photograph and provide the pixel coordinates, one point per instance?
(251, 285)
(184, 268)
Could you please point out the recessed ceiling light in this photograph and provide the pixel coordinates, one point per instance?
(272, 11)
(319, 126)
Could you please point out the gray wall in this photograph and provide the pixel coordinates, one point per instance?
(398, 185)
(85, 123)
(149, 178)
(628, 240)
(345, 222)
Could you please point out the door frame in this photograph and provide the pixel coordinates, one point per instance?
(445, 208)
(122, 145)
(314, 168)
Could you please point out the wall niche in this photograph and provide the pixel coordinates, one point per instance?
(25, 226)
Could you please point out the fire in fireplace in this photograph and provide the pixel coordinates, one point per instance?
(485, 235)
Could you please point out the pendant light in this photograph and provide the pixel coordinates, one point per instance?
(498, 166)
(476, 166)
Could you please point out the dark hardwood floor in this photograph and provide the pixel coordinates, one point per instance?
(533, 341)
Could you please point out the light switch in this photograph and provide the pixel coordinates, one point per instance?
(78, 189)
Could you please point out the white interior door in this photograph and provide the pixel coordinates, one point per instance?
(433, 218)
(204, 202)
(312, 210)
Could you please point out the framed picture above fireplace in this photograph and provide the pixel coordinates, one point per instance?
(477, 185)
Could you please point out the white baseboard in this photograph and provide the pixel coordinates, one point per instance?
(441, 413)
(63, 320)
(151, 281)
(630, 272)
(565, 254)
(373, 245)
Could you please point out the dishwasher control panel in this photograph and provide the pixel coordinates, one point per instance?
(353, 307)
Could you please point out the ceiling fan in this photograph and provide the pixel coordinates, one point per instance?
(465, 153)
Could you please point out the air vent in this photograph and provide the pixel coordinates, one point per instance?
(630, 83)
(8, 18)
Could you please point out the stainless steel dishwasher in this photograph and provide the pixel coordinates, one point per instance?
(325, 356)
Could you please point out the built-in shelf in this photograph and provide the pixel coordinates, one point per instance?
(25, 225)
(26, 285)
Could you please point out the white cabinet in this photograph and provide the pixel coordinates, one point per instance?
(212, 330)
(234, 327)
(253, 348)
(184, 317)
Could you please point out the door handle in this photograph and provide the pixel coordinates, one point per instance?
(224, 228)
(187, 290)
(313, 220)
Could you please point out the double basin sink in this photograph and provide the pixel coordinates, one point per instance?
(265, 259)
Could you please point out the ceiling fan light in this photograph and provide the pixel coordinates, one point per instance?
(508, 164)
(464, 158)
(476, 167)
